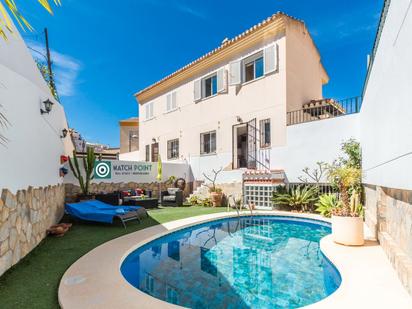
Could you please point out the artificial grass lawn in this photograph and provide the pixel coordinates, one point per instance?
(34, 281)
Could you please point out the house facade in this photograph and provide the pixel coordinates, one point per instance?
(129, 135)
(230, 109)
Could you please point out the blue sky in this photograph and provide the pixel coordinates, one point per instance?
(105, 51)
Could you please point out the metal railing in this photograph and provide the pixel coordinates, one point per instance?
(324, 109)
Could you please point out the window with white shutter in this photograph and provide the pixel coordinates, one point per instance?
(270, 59)
(171, 103)
(149, 110)
(197, 91)
(235, 75)
(221, 80)
(174, 102)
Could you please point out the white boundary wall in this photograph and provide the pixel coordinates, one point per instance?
(386, 115)
(31, 157)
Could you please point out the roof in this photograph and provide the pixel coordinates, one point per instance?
(130, 122)
(273, 24)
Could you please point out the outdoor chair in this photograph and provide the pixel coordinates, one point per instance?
(172, 197)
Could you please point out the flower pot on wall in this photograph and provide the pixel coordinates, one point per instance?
(216, 198)
(347, 230)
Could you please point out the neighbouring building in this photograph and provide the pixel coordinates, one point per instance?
(248, 107)
(102, 150)
(129, 135)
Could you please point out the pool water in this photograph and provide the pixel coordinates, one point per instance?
(258, 262)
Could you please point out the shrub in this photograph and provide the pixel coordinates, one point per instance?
(299, 198)
(326, 204)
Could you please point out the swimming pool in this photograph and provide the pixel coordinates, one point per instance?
(251, 262)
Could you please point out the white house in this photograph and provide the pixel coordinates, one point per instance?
(237, 107)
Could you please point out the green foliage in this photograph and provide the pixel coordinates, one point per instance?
(326, 204)
(195, 200)
(299, 198)
(353, 154)
(88, 166)
(45, 72)
(346, 175)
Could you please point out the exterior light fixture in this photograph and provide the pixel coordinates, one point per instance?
(239, 119)
(153, 140)
(47, 107)
(64, 133)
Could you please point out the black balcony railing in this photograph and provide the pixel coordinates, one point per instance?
(324, 109)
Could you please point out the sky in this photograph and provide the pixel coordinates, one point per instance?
(105, 51)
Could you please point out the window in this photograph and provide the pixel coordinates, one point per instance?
(173, 149)
(149, 110)
(209, 86)
(265, 133)
(155, 152)
(171, 103)
(253, 67)
(147, 153)
(208, 142)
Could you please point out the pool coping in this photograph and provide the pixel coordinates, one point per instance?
(368, 279)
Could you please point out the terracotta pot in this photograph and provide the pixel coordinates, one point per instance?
(347, 230)
(216, 198)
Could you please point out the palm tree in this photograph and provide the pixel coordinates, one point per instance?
(5, 22)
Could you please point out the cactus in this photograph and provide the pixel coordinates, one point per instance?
(88, 165)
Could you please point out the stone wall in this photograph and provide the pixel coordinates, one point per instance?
(388, 214)
(24, 218)
(73, 190)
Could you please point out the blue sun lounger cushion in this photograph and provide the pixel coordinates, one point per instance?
(94, 210)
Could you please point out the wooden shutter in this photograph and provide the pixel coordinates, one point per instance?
(270, 59)
(221, 80)
(197, 91)
(235, 76)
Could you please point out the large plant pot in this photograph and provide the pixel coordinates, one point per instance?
(216, 198)
(347, 230)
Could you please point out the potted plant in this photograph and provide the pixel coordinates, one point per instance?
(216, 196)
(86, 177)
(347, 217)
(216, 193)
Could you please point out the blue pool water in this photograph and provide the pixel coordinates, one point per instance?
(259, 262)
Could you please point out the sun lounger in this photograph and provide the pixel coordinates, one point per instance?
(98, 211)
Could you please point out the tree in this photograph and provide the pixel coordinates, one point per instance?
(5, 22)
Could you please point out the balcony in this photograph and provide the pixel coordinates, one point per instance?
(324, 109)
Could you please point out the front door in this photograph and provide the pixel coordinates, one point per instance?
(251, 144)
(240, 146)
(155, 152)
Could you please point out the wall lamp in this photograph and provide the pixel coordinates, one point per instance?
(153, 140)
(64, 133)
(239, 119)
(47, 107)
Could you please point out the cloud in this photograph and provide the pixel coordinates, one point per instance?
(191, 11)
(66, 69)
